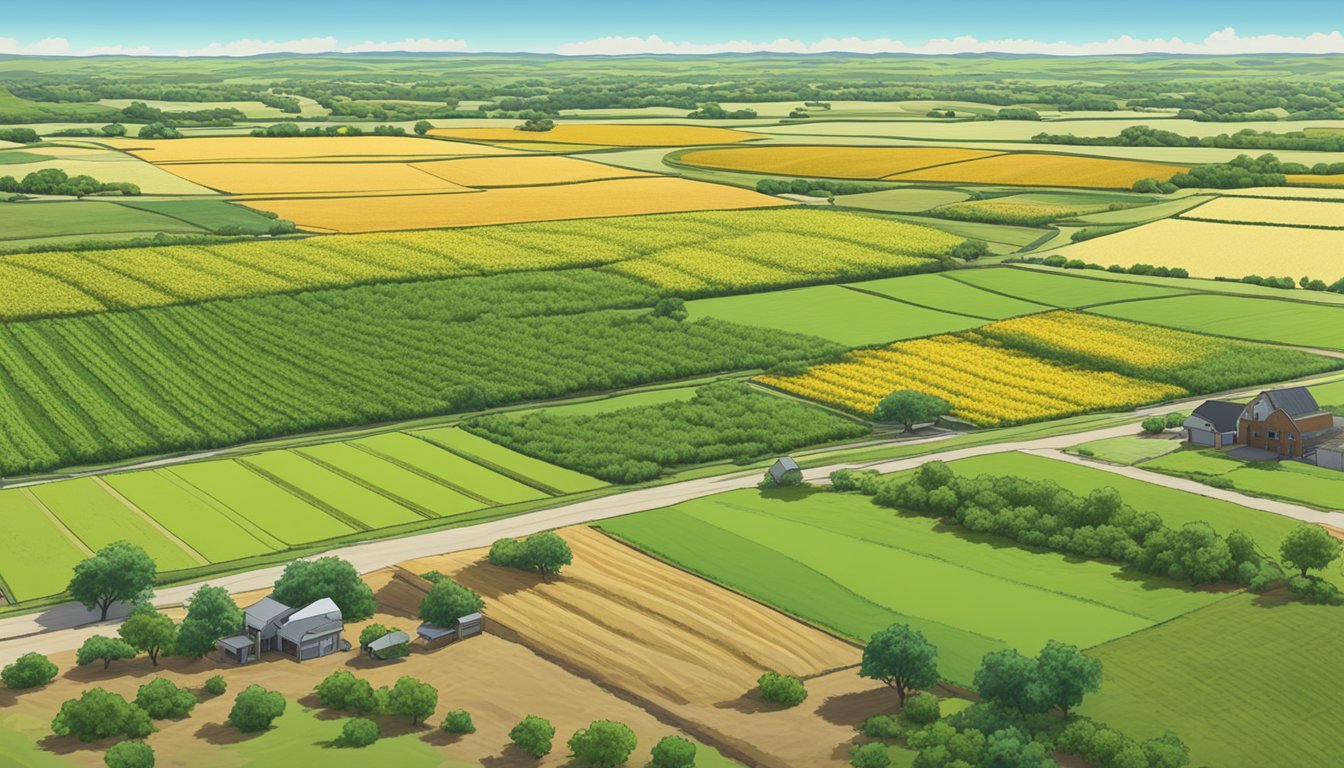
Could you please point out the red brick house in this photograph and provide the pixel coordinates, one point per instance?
(1281, 420)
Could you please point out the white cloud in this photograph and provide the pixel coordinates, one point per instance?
(248, 47)
(1225, 41)
(410, 45)
(245, 47)
(50, 46)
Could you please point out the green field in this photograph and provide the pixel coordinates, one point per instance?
(1247, 681)
(902, 200)
(284, 515)
(99, 519)
(1129, 449)
(32, 220)
(1286, 322)
(212, 529)
(1329, 395)
(1289, 480)
(207, 214)
(945, 292)
(19, 157)
(525, 469)
(422, 492)
(833, 312)
(1056, 290)
(668, 394)
(329, 490)
(36, 557)
(837, 560)
(448, 466)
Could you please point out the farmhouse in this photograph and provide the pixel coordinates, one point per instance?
(781, 467)
(1283, 421)
(304, 633)
(1214, 423)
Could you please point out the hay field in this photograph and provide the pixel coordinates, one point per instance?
(606, 135)
(1210, 249)
(522, 171)
(1311, 178)
(834, 162)
(1297, 213)
(1289, 192)
(1044, 170)
(108, 166)
(618, 197)
(327, 148)
(283, 178)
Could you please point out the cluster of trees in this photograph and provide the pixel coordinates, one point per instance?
(89, 90)
(408, 697)
(712, 111)
(1156, 425)
(1305, 282)
(1133, 269)
(1246, 99)
(722, 421)
(909, 407)
(813, 186)
(543, 553)
(1039, 513)
(54, 181)
(289, 130)
(537, 125)
(447, 602)
(602, 744)
(970, 249)
(19, 135)
(1247, 138)
(1108, 748)
(158, 131)
(140, 112)
(1022, 113)
(1237, 173)
(940, 113)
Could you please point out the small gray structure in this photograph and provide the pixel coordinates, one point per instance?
(782, 465)
(304, 633)
(1214, 423)
(390, 640)
(466, 626)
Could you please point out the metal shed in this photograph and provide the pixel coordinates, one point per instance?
(782, 465)
(390, 640)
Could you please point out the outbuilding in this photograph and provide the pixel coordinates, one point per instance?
(783, 465)
(390, 640)
(1214, 423)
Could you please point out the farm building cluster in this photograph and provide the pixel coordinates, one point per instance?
(1287, 423)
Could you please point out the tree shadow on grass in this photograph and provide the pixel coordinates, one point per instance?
(790, 492)
(851, 709)
(511, 757)
(750, 703)
(441, 738)
(221, 734)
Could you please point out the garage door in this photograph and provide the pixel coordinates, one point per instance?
(1201, 437)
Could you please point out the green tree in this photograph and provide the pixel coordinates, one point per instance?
(1175, 420)
(458, 721)
(216, 686)
(909, 407)
(1309, 547)
(149, 631)
(342, 690)
(211, 615)
(161, 699)
(1154, 425)
(98, 714)
(423, 127)
(1008, 678)
(447, 602)
(673, 752)
(306, 581)
(1066, 674)
(359, 732)
(119, 571)
(603, 744)
(781, 689)
(412, 698)
(546, 553)
(533, 735)
(129, 754)
(922, 709)
(114, 129)
(902, 658)
(105, 649)
(28, 671)
(970, 250)
(255, 709)
(873, 755)
(671, 307)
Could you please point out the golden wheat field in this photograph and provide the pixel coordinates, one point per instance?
(280, 178)
(1311, 178)
(1209, 249)
(1301, 193)
(618, 197)
(1298, 213)
(326, 148)
(522, 171)
(606, 135)
(1030, 169)
(832, 162)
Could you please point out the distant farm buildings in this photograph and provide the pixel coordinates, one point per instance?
(1286, 422)
(304, 633)
(467, 626)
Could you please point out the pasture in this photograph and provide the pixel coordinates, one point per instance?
(942, 291)
(1057, 289)
(34, 221)
(1273, 320)
(838, 561)
(1290, 480)
(600, 134)
(903, 200)
(37, 551)
(831, 162)
(1129, 449)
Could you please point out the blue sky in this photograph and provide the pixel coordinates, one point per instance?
(686, 25)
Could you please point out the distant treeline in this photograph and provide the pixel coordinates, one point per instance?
(1240, 172)
(1249, 138)
(54, 181)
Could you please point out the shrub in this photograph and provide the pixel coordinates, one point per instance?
(255, 709)
(970, 250)
(872, 755)
(533, 735)
(28, 671)
(458, 721)
(922, 709)
(1313, 589)
(673, 752)
(98, 714)
(162, 699)
(603, 744)
(129, 754)
(104, 649)
(1154, 425)
(883, 727)
(359, 732)
(782, 689)
(1174, 420)
(216, 686)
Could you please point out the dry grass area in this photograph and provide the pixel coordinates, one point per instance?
(329, 148)
(1298, 213)
(1210, 249)
(1312, 178)
(1302, 193)
(522, 171)
(606, 135)
(1029, 169)
(831, 162)
(307, 178)
(618, 197)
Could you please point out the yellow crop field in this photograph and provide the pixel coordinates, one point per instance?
(1031, 169)
(831, 162)
(618, 197)
(1209, 249)
(278, 178)
(1131, 346)
(523, 171)
(606, 135)
(1301, 193)
(108, 166)
(986, 384)
(327, 148)
(1311, 178)
(1298, 213)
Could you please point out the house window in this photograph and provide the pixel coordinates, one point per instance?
(1290, 437)
(1255, 434)
(1273, 435)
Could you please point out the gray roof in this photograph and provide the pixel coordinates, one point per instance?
(264, 611)
(237, 642)
(389, 640)
(1221, 414)
(469, 618)
(297, 631)
(1294, 401)
(782, 465)
(432, 632)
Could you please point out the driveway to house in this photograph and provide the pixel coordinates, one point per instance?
(67, 625)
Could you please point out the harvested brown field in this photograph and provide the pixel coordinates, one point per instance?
(326, 148)
(606, 135)
(618, 197)
(522, 171)
(1031, 169)
(312, 178)
(830, 162)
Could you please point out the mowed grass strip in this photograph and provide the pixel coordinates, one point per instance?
(1248, 681)
(23, 221)
(98, 519)
(435, 497)
(360, 503)
(36, 557)
(450, 467)
(942, 292)
(522, 171)
(201, 526)
(1030, 169)
(521, 467)
(282, 514)
(831, 162)
(1293, 480)
(315, 178)
(832, 312)
(1285, 322)
(1056, 290)
(605, 135)
(511, 205)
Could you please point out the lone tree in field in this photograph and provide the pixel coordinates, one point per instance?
(211, 614)
(119, 571)
(305, 581)
(412, 698)
(533, 735)
(447, 602)
(902, 658)
(98, 714)
(604, 744)
(908, 407)
(1065, 675)
(151, 632)
(423, 127)
(673, 752)
(129, 754)
(1309, 547)
(104, 649)
(546, 553)
(255, 709)
(28, 671)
